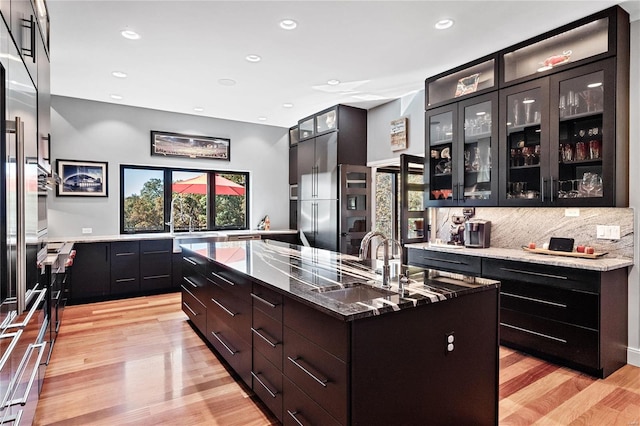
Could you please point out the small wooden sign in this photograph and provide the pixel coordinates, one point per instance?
(399, 134)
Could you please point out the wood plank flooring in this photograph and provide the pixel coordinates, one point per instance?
(138, 362)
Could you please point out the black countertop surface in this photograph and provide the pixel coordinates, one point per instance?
(327, 280)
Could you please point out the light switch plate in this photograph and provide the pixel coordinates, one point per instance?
(572, 212)
(87, 230)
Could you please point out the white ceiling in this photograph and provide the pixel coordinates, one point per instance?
(379, 50)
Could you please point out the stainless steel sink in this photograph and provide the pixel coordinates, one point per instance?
(356, 293)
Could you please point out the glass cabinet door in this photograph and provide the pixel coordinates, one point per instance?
(586, 145)
(477, 178)
(526, 151)
(440, 136)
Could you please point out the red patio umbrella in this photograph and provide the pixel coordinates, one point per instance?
(198, 185)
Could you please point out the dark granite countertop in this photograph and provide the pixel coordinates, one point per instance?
(319, 278)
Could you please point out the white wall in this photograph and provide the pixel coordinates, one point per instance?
(96, 131)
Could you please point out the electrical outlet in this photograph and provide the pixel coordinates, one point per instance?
(572, 212)
(615, 232)
(608, 232)
(87, 230)
(449, 342)
(600, 232)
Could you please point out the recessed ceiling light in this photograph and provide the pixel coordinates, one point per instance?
(333, 82)
(594, 85)
(443, 24)
(198, 109)
(116, 97)
(287, 105)
(226, 82)
(130, 34)
(253, 58)
(288, 24)
(262, 118)
(119, 74)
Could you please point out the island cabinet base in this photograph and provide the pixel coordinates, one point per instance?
(403, 373)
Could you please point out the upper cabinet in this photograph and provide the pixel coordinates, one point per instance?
(560, 129)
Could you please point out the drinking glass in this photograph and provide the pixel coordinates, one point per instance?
(594, 149)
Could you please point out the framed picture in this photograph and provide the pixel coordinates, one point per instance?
(189, 146)
(82, 178)
(399, 134)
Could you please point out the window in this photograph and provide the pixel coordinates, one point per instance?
(154, 198)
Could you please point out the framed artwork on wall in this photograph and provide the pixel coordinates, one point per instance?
(189, 146)
(82, 178)
(399, 134)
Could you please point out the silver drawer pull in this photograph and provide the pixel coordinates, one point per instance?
(531, 299)
(222, 278)
(156, 252)
(32, 311)
(155, 277)
(21, 368)
(293, 416)
(272, 393)
(126, 253)
(223, 307)
(537, 274)
(231, 351)
(266, 302)
(457, 262)
(257, 332)
(186, 305)
(125, 280)
(535, 333)
(15, 336)
(186, 259)
(310, 374)
(194, 285)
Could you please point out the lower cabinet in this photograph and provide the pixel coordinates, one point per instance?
(125, 271)
(155, 264)
(91, 271)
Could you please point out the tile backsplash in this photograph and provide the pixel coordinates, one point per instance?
(516, 227)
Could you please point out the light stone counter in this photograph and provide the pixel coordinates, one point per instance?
(602, 264)
(167, 235)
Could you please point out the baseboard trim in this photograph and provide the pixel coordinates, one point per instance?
(633, 356)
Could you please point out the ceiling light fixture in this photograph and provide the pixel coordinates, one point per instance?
(116, 97)
(119, 74)
(198, 109)
(443, 24)
(333, 82)
(262, 118)
(287, 105)
(288, 24)
(226, 82)
(253, 58)
(130, 34)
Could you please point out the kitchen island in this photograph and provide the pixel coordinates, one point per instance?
(320, 342)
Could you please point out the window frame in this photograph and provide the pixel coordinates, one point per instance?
(168, 193)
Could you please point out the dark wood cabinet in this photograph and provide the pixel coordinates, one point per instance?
(91, 271)
(155, 265)
(125, 272)
(445, 261)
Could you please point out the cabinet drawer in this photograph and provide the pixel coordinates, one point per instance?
(268, 301)
(570, 306)
(156, 282)
(232, 282)
(546, 337)
(319, 374)
(234, 349)
(155, 258)
(267, 337)
(195, 309)
(567, 278)
(197, 285)
(299, 409)
(329, 333)
(231, 310)
(267, 383)
(193, 262)
(445, 261)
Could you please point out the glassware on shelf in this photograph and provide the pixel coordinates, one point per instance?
(594, 149)
(567, 153)
(581, 151)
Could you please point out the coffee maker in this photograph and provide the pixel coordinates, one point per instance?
(477, 233)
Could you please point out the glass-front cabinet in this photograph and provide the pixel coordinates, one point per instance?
(462, 143)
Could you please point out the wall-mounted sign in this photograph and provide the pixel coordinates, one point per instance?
(399, 134)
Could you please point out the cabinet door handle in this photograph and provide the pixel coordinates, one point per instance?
(295, 361)
(194, 285)
(266, 302)
(125, 280)
(551, 188)
(220, 277)
(455, 262)
(155, 277)
(531, 299)
(13, 385)
(231, 351)
(293, 415)
(186, 305)
(31, 51)
(186, 259)
(223, 307)
(125, 253)
(535, 333)
(272, 393)
(156, 252)
(537, 274)
(541, 188)
(257, 332)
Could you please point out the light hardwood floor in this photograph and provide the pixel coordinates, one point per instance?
(138, 362)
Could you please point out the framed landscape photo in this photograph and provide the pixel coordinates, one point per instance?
(189, 146)
(82, 178)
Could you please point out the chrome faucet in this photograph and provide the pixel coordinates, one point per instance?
(386, 268)
(172, 221)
